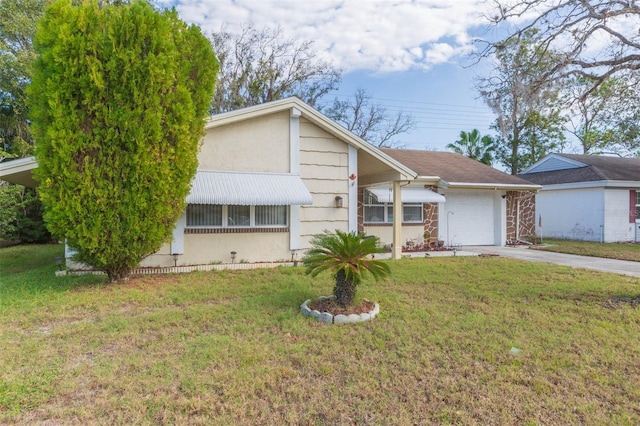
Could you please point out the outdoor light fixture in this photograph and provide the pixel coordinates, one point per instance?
(175, 259)
(233, 257)
(338, 201)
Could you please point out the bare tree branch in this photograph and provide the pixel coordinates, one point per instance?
(595, 38)
(370, 121)
(258, 66)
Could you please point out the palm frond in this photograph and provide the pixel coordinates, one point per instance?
(346, 251)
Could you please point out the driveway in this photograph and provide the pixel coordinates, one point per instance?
(597, 263)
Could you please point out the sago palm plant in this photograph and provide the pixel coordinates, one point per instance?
(348, 255)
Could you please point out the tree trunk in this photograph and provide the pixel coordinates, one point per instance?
(345, 289)
(118, 275)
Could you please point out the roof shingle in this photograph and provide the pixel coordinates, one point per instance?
(597, 168)
(452, 167)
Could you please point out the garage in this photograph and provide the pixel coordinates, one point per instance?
(468, 218)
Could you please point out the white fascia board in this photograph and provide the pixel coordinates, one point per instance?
(496, 186)
(230, 117)
(16, 166)
(432, 180)
(622, 184)
(593, 184)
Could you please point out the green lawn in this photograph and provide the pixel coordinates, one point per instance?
(622, 251)
(231, 348)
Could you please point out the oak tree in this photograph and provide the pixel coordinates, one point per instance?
(593, 39)
(529, 120)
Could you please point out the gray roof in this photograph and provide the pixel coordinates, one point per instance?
(596, 168)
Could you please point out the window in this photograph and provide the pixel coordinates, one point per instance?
(637, 204)
(412, 213)
(239, 216)
(271, 215)
(204, 216)
(216, 216)
(373, 213)
(376, 212)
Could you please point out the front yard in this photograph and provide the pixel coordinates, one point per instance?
(621, 251)
(463, 340)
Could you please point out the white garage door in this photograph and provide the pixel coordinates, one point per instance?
(469, 217)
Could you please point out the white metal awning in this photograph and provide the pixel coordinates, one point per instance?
(248, 189)
(408, 195)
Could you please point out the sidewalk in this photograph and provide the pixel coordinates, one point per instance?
(524, 253)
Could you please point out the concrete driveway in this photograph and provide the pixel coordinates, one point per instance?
(597, 263)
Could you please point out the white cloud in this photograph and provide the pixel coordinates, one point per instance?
(374, 35)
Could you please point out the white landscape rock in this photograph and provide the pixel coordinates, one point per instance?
(327, 318)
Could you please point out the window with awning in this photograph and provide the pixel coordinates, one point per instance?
(248, 189)
(378, 204)
(243, 200)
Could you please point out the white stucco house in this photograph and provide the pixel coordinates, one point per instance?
(272, 176)
(587, 197)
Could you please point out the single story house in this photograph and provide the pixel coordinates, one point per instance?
(479, 205)
(272, 176)
(587, 197)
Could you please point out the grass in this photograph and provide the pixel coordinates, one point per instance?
(621, 251)
(230, 347)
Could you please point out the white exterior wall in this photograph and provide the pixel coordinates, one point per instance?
(616, 217)
(257, 145)
(203, 249)
(324, 169)
(575, 214)
(413, 232)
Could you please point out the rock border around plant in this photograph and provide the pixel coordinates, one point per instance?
(328, 318)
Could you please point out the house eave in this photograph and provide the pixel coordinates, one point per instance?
(592, 184)
(494, 186)
(19, 171)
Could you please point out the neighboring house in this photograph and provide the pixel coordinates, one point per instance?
(479, 205)
(587, 197)
(272, 176)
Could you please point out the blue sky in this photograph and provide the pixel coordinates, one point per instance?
(406, 54)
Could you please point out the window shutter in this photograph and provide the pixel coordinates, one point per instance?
(632, 206)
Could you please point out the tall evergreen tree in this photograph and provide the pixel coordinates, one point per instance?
(118, 98)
